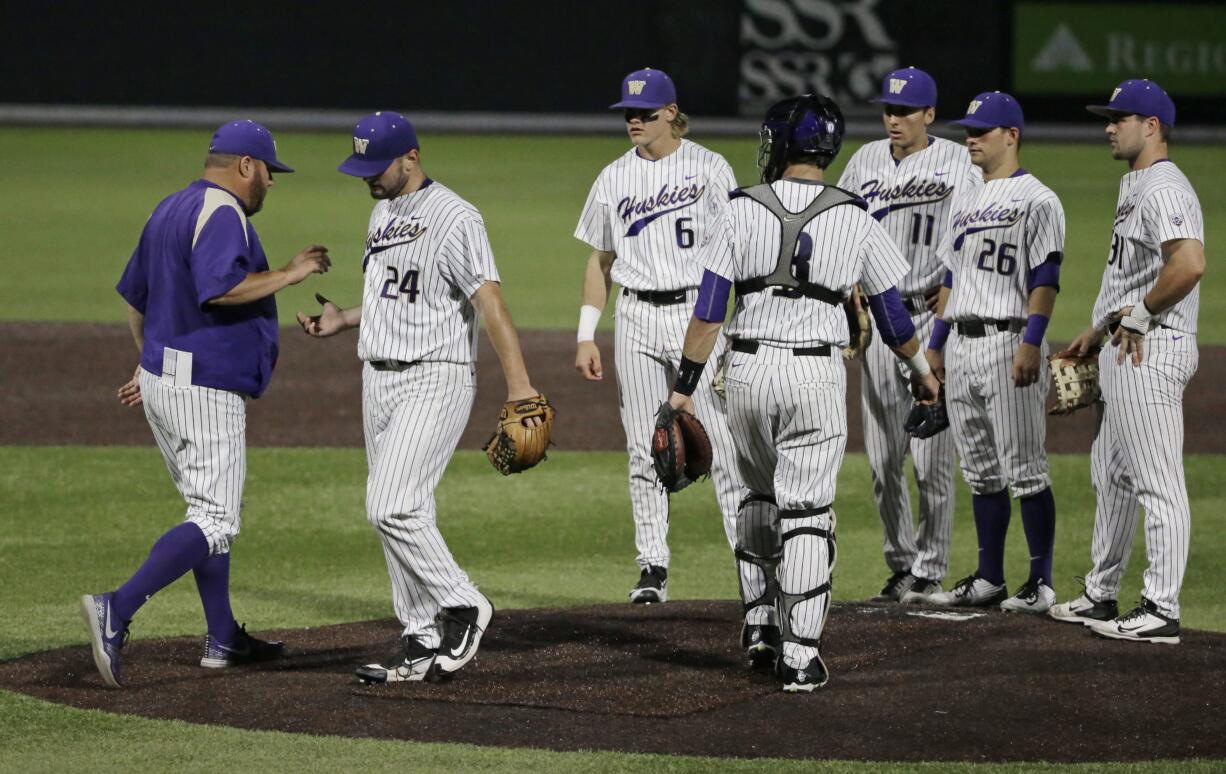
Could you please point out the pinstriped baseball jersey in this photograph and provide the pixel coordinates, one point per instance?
(654, 214)
(427, 253)
(997, 234)
(1156, 205)
(912, 198)
(839, 248)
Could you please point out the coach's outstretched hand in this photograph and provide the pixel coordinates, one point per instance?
(312, 260)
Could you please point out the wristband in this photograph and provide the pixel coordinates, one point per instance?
(688, 374)
(919, 363)
(1036, 326)
(940, 333)
(1138, 320)
(589, 317)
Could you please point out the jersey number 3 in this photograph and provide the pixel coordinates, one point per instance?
(394, 286)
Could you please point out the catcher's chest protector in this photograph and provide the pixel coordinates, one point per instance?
(792, 223)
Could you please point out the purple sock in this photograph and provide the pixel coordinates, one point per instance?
(213, 582)
(1039, 522)
(176, 552)
(991, 524)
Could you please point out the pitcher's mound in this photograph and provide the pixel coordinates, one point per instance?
(906, 684)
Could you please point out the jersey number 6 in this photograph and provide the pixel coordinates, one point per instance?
(394, 286)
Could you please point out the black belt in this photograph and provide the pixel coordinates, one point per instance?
(974, 329)
(659, 297)
(751, 347)
(391, 365)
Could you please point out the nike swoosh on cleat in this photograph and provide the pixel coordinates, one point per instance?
(459, 651)
(110, 633)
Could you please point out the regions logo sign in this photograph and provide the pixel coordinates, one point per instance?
(1081, 48)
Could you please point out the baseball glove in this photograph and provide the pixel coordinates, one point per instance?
(927, 421)
(514, 447)
(680, 448)
(1075, 378)
(859, 326)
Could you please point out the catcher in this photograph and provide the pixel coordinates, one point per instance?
(429, 275)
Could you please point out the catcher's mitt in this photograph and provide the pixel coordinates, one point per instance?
(1075, 378)
(859, 326)
(680, 448)
(927, 421)
(514, 446)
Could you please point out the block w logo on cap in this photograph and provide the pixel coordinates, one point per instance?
(971, 108)
(896, 85)
(359, 144)
(635, 87)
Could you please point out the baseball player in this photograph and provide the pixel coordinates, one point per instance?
(429, 272)
(644, 219)
(1003, 248)
(794, 248)
(908, 181)
(201, 310)
(1147, 304)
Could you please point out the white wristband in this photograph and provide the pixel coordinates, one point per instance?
(919, 363)
(589, 318)
(1139, 319)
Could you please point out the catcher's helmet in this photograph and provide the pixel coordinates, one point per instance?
(808, 125)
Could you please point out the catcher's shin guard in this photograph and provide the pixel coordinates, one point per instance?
(809, 555)
(757, 553)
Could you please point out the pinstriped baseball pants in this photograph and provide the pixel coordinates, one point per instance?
(1000, 430)
(1137, 462)
(413, 420)
(647, 350)
(885, 399)
(788, 419)
(201, 433)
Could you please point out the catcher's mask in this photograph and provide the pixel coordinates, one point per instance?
(808, 125)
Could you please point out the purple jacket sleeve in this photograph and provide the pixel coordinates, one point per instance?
(893, 321)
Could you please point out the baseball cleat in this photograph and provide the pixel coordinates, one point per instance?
(805, 679)
(409, 662)
(1084, 610)
(244, 650)
(895, 587)
(1141, 624)
(1034, 596)
(761, 643)
(921, 592)
(652, 586)
(462, 629)
(971, 591)
(106, 635)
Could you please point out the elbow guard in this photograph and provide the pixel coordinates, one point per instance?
(712, 305)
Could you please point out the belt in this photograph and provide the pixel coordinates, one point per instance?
(392, 365)
(659, 297)
(974, 329)
(915, 304)
(751, 347)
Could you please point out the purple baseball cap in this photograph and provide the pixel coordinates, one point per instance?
(646, 88)
(1141, 97)
(992, 109)
(909, 86)
(378, 140)
(247, 138)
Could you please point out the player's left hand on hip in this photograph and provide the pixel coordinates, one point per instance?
(1026, 364)
(681, 402)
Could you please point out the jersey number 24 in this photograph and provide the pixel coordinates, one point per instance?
(396, 286)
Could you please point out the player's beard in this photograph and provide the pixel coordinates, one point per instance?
(381, 189)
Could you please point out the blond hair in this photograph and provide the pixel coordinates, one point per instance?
(680, 125)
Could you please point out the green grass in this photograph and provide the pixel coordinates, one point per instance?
(81, 519)
(73, 201)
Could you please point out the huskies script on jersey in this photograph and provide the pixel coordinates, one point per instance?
(651, 213)
(911, 199)
(426, 254)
